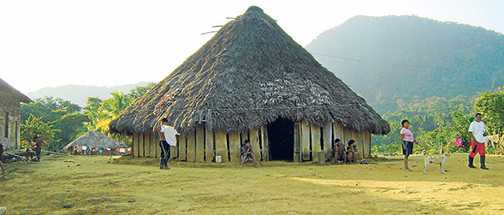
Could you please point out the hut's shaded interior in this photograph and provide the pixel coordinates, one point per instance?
(281, 139)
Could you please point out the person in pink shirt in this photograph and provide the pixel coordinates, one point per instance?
(408, 139)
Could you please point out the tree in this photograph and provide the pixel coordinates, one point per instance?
(64, 118)
(33, 126)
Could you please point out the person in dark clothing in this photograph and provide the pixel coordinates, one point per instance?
(247, 154)
(339, 151)
(350, 153)
(2, 169)
(167, 138)
(38, 147)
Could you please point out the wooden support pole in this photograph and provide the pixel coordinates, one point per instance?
(327, 140)
(200, 144)
(265, 144)
(254, 141)
(305, 141)
(209, 148)
(297, 142)
(182, 147)
(141, 151)
(221, 145)
(135, 145)
(234, 146)
(191, 146)
(316, 144)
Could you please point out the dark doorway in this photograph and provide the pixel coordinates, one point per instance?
(281, 139)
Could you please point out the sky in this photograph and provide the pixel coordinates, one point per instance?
(115, 42)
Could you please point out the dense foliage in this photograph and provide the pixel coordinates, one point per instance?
(437, 121)
(59, 121)
(383, 58)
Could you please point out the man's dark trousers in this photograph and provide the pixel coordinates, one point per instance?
(165, 154)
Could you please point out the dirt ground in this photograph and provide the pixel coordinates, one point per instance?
(93, 185)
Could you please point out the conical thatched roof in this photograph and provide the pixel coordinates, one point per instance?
(10, 96)
(95, 139)
(249, 74)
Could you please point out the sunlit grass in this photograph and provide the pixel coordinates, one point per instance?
(92, 185)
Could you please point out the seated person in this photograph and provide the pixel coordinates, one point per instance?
(247, 154)
(339, 151)
(350, 153)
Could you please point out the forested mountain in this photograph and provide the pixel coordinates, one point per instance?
(383, 58)
(78, 94)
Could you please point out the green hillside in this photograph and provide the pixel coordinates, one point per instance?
(383, 58)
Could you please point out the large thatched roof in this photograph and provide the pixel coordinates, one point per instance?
(249, 74)
(95, 139)
(10, 96)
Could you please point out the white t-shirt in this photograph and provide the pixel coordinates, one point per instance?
(169, 134)
(478, 131)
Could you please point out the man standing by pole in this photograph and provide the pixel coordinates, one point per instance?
(478, 140)
(167, 136)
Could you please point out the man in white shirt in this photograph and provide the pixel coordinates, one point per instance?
(478, 140)
(167, 136)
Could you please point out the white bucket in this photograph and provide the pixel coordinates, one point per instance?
(218, 159)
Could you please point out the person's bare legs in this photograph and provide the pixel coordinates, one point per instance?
(406, 166)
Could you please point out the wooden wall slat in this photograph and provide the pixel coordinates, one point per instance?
(221, 145)
(327, 140)
(254, 141)
(297, 142)
(149, 145)
(209, 148)
(155, 140)
(265, 144)
(305, 141)
(191, 146)
(134, 144)
(200, 144)
(316, 145)
(338, 131)
(234, 146)
(141, 150)
(182, 148)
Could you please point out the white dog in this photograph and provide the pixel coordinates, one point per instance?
(440, 159)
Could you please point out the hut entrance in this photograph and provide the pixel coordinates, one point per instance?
(281, 139)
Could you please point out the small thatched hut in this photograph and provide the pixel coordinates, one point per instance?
(251, 81)
(10, 115)
(97, 140)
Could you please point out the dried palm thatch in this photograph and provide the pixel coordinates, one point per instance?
(248, 75)
(10, 96)
(95, 139)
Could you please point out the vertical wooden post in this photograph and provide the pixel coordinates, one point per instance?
(305, 141)
(221, 145)
(141, 151)
(265, 143)
(147, 143)
(182, 147)
(155, 141)
(200, 144)
(297, 142)
(327, 140)
(254, 141)
(209, 149)
(234, 146)
(191, 146)
(316, 145)
(134, 144)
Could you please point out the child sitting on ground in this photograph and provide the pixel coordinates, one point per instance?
(247, 154)
(350, 151)
(339, 151)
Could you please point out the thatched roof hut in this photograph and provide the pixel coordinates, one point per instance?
(10, 114)
(250, 74)
(97, 140)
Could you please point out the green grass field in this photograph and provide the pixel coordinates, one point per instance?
(92, 185)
